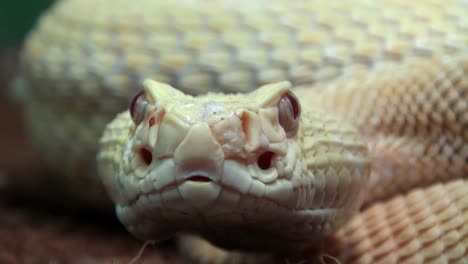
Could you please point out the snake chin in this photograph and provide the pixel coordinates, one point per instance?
(159, 216)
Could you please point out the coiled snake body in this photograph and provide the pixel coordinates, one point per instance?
(377, 116)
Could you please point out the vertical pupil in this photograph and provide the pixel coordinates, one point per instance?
(133, 104)
(295, 105)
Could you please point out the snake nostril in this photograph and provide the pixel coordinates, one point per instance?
(151, 121)
(146, 156)
(264, 161)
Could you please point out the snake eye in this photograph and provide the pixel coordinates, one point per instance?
(289, 111)
(138, 107)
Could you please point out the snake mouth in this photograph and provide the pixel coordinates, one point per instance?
(198, 178)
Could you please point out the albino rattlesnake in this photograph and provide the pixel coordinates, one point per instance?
(246, 171)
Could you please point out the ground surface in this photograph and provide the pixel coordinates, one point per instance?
(46, 229)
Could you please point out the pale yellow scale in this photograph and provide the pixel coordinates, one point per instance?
(396, 70)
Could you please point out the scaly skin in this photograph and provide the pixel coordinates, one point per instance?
(222, 137)
(415, 117)
(396, 70)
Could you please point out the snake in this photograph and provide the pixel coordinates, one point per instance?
(306, 130)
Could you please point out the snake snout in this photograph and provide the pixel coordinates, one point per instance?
(199, 157)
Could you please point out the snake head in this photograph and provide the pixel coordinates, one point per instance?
(216, 165)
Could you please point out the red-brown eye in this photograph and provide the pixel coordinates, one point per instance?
(289, 111)
(138, 107)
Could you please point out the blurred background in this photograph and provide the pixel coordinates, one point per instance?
(16, 19)
(45, 229)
